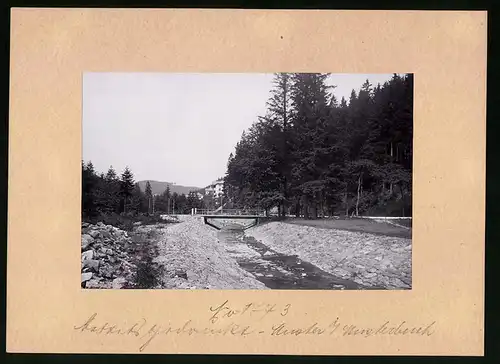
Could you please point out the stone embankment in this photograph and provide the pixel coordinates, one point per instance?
(106, 263)
(367, 259)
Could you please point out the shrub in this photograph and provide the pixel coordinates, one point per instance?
(126, 221)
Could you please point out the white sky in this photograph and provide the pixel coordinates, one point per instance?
(177, 127)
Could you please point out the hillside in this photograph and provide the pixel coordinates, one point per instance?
(159, 187)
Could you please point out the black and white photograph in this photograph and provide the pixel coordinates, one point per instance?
(288, 181)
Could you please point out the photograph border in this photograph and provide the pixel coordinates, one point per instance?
(13, 194)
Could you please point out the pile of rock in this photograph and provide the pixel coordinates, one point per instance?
(105, 260)
(367, 259)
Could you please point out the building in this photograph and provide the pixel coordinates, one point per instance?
(216, 188)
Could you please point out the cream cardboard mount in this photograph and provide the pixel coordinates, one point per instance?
(442, 314)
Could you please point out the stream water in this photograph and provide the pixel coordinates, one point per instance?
(276, 270)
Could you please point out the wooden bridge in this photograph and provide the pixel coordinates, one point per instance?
(230, 214)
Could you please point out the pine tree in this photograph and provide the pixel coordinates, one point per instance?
(89, 180)
(138, 201)
(111, 174)
(192, 200)
(352, 156)
(280, 112)
(90, 168)
(111, 191)
(127, 186)
(310, 107)
(149, 196)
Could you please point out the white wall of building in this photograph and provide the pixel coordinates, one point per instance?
(218, 190)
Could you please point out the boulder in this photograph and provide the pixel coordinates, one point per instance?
(86, 241)
(94, 233)
(118, 282)
(93, 283)
(89, 254)
(107, 271)
(185, 285)
(92, 264)
(86, 276)
(358, 281)
(181, 274)
(342, 273)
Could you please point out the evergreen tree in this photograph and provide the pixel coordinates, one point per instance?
(162, 201)
(138, 201)
(192, 200)
(111, 174)
(89, 180)
(149, 196)
(112, 191)
(310, 145)
(280, 113)
(90, 168)
(127, 186)
(354, 157)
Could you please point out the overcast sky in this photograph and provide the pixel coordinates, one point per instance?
(177, 127)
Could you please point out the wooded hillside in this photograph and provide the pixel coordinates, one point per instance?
(314, 155)
(108, 194)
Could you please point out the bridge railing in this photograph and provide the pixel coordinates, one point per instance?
(238, 212)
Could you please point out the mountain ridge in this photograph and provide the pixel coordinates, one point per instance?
(158, 187)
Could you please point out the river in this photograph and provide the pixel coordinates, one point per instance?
(276, 270)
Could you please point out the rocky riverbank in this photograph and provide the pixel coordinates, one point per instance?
(187, 254)
(367, 259)
(106, 262)
(182, 255)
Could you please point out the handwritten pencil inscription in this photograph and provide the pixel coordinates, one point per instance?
(223, 321)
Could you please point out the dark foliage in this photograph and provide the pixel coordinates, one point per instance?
(313, 156)
(120, 201)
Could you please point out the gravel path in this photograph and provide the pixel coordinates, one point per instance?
(191, 257)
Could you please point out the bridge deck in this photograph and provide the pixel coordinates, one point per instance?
(232, 216)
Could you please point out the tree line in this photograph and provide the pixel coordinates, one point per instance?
(313, 155)
(110, 193)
